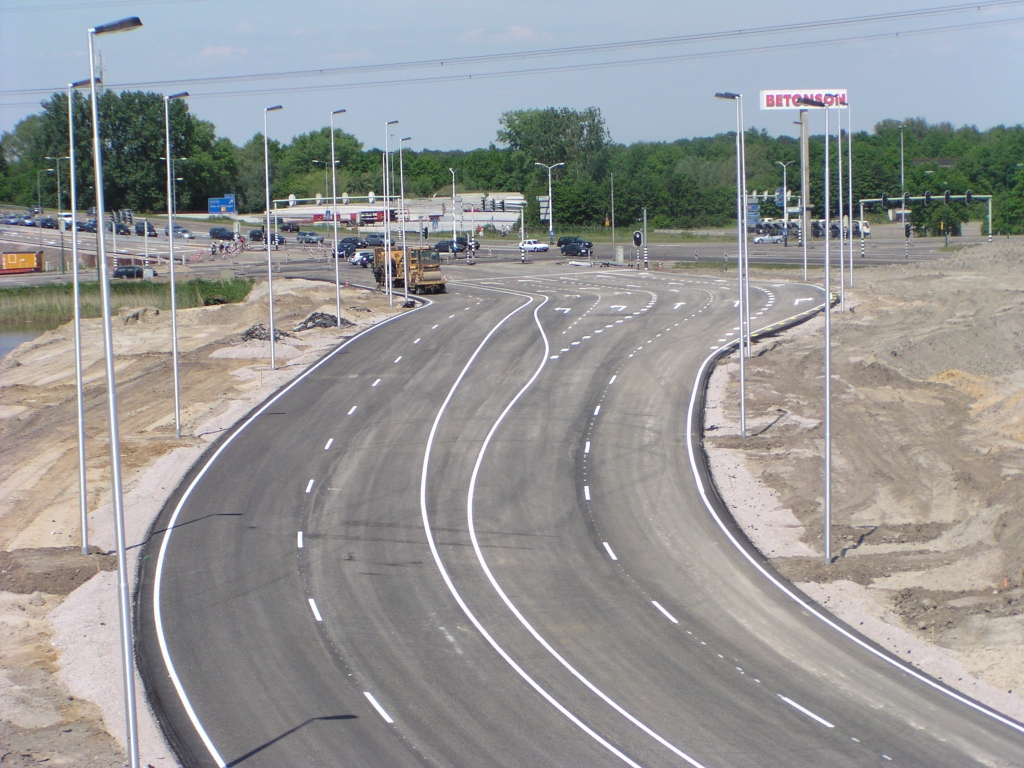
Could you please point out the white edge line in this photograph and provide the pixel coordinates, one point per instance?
(806, 711)
(608, 549)
(157, 613)
(316, 613)
(668, 615)
(812, 608)
(379, 708)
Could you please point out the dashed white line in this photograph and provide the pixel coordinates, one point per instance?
(434, 328)
(309, 486)
(806, 711)
(300, 540)
(586, 448)
(378, 707)
(450, 316)
(586, 492)
(668, 615)
(316, 613)
(329, 442)
(608, 548)
(597, 410)
(398, 358)
(352, 410)
(612, 381)
(375, 383)
(417, 341)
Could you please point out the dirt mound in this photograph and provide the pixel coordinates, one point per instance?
(56, 571)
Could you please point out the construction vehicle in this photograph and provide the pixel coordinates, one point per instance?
(424, 269)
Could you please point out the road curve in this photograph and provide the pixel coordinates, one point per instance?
(483, 534)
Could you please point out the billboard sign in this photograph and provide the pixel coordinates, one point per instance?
(224, 204)
(790, 98)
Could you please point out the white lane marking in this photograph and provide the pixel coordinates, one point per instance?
(300, 539)
(608, 548)
(158, 618)
(375, 383)
(564, 310)
(379, 708)
(597, 410)
(618, 307)
(434, 328)
(800, 301)
(554, 357)
(612, 381)
(417, 341)
(668, 615)
(806, 711)
(309, 486)
(586, 492)
(679, 304)
(450, 316)
(586, 448)
(398, 358)
(428, 531)
(329, 442)
(352, 410)
(316, 613)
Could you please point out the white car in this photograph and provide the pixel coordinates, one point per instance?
(769, 239)
(532, 245)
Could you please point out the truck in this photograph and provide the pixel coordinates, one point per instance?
(21, 262)
(424, 269)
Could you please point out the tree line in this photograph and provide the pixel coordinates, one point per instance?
(687, 183)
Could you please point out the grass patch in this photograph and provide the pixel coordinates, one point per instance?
(54, 304)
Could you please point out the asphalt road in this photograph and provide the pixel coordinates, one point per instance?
(482, 534)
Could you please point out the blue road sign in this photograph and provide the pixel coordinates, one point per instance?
(224, 204)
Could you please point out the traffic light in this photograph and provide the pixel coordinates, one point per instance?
(638, 238)
(927, 198)
(885, 200)
(906, 199)
(969, 197)
(906, 230)
(946, 198)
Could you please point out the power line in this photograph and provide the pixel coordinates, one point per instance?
(552, 52)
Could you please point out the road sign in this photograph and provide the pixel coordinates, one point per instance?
(224, 204)
(778, 197)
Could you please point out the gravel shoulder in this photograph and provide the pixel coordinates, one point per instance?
(928, 467)
(60, 671)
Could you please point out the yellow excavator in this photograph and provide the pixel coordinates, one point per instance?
(424, 269)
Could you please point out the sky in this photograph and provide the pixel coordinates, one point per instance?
(964, 71)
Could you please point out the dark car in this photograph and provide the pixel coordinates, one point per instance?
(575, 249)
(357, 242)
(275, 239)
(565, 239)
(449, 246)
(128, 273)
(309, 237)
(89, 226)
(290, 226)
(49, 223)
(345, 250)
(121, 229)
(221, 233)
(256, 235)
(29, 221)
(35, 210)
(145, 229)
(467, 244)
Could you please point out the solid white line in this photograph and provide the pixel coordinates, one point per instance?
(586, 492)
(586, 448)
(158, 619)
(612, 381)
(309, 487)
(398, 358)
(316, 613)
(806, 711)
(328, 443)
(352, 410)
(611, 554)
(379, 708)
(668, 615)
(375, 383)
(300, 539)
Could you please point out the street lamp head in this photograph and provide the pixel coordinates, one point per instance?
(124, 25)
(407, 138)
(181, 95)
(558, 165)
(391, 122)
(727, 95)
(805, 102)
(338, 112)
(82, 83)
(273, 109)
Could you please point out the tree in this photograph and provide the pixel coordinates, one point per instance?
(552, 135)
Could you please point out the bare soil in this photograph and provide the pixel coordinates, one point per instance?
(60, 672)
(927, 457)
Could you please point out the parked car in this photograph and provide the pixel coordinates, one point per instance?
(533, 246)
(180, 231)
(449, 246)
(29, 221)
(12, 220)
(275, 239)
(345, 250)
(128, 273)
(256, 235)
(221, 233)
(89, 226)
(769, 239)
(145, 229)
(35, 210)
(309, 237)
(374, 240)
(357, 242)
(361, 258)
(49, 222)
(289, 226)
(576, 249)
(121, 228)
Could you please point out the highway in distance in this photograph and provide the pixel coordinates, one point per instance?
(482, 533)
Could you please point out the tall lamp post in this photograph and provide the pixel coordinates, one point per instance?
(266, 238)
(388, 193)
(60, 212)
(454, 232)
(124, 604)
(741, 236)
(401, 217)
(334, 216)
(551, 202)
(39, 195)
(170, 255)
(785, 199)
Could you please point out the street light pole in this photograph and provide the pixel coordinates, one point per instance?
(60, 213)
(387, 217)
(334, 217)
(266, 239)
(741, 236)
(170, 256)
(785, 199)
(454, 233)
(39, 195)
(124, 603)
(401, 216)
(551, 202)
